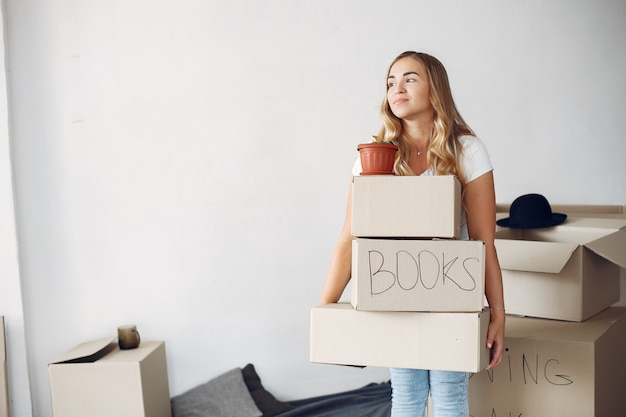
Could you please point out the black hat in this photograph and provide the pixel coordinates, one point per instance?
(531, 211)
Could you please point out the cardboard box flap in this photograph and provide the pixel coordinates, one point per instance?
(580, 332)
(593, 222)
(574, 230)
(520, 255)
(88, 351)
(611, 247)
(587, 210)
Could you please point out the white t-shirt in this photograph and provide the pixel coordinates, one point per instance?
(475, 162)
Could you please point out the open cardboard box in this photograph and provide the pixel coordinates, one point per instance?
(557, 369)
(567, 272)
(4, 385)
(97, 379)
(406, 206)
(446, 341)
(595, 211)
(418, 275)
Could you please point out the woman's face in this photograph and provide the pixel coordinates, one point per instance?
(408, 90)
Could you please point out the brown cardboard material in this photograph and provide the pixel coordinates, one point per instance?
(573, 210)
(446, 341)
(568, 272)
(4, 383)
(557, 369)
(406, 206)
(97, 379)
(418, 275)
(595, 211)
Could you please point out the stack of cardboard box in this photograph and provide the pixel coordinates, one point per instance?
(417, 291)
(417, 301)
(565, 346)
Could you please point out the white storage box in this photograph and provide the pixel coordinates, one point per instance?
(567, 272)
(418, 275)
(406, 206)
(97, 379)
(445, 341)
(557, 369)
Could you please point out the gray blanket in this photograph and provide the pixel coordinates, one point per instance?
(224, 396)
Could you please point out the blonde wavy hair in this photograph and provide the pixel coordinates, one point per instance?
(444, 147)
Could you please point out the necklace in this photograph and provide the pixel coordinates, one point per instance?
(419, 153)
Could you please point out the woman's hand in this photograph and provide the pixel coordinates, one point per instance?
(480, 207)
(495, 337)
(339, 270)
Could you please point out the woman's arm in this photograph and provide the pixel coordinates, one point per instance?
(340, 267)
(480, 206)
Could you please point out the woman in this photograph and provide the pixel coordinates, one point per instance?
(420, 116)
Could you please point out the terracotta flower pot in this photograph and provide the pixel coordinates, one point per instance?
(377, 158)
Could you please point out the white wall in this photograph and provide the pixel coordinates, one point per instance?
(10, 290)
(184, 165)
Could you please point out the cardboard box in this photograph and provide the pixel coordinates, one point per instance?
(4, 383)
(447, 341)
(572, 210)
(406, 206)
(97, 379)
(568, 272)
(418, 275)
(555, 368)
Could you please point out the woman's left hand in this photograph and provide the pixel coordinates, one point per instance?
(495, 337)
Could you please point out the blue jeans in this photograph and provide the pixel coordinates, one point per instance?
(410, 388)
